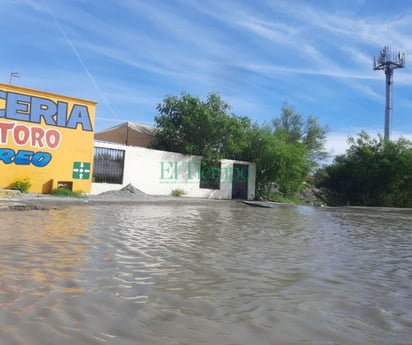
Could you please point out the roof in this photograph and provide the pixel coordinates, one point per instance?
(128, 133)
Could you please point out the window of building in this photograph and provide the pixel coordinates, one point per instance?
(210, 175)
(108, 166)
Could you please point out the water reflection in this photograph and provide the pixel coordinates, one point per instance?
(43, 248)
(220, 273)
(41, 256)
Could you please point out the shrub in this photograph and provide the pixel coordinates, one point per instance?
(62, 191)
(22, 185)
(178, 192)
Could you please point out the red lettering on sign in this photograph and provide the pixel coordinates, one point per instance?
(37, 135)
(4, 130)
(52, 138)
(23, 135)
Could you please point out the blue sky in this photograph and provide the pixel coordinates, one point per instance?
(127, 55)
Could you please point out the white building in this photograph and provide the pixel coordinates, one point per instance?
(158, 172)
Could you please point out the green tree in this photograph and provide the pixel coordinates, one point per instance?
(372, 172)
(190, 126)
(280, 166)
(295, 129)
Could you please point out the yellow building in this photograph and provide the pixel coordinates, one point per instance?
(45, 138)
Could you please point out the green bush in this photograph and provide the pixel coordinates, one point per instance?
(62, 191)
(278, 197)
(22, 185)
(178, 192)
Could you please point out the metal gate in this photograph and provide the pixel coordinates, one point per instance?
(108, 165)
(240, 181)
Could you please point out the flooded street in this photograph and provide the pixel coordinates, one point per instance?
(215, 273)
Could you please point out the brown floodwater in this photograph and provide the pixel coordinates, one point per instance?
(216, 273)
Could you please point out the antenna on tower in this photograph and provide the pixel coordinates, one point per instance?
(13, 75)
(387, 61)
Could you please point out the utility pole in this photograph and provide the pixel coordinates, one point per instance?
(387, 61)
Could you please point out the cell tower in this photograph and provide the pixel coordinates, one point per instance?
(388, 61)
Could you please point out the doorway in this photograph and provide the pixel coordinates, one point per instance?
(240, 181)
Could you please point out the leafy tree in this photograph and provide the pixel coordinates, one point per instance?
(279, 165)
(372, 172)
(190, 126)
(295, 129)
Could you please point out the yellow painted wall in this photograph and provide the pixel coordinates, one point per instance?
(44, 137)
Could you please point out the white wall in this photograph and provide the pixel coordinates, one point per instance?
(158, 172)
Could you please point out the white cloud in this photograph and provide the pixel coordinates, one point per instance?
(336, 143)
(257, 55)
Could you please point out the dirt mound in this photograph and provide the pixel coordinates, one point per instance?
(130, 189)
(127, 192)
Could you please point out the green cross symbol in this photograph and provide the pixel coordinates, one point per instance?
(81, 170)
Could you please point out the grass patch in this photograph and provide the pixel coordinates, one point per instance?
(22, 185)
(178, 192)
(61, 191)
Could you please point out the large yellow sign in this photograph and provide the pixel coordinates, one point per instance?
(46, 138)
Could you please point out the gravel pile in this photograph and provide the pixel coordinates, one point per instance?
(127, 193)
